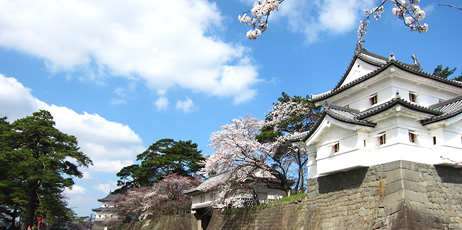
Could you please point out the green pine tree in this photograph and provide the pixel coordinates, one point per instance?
(162, 158)
(38, 163)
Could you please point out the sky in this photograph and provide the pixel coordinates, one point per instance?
(120, 75)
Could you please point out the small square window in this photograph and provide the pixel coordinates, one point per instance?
(412, 97)
(373, 99)
(382, 139)
(336, 147)
(412, 136)
(212, 196)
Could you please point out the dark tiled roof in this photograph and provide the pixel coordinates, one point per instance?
(97, 209)
(108, 198)
(382, 63)
(366, 56)
(304, 136)
(449, 108)
(346, 115)
(373, 73)
(337, 112)
(395, 101)
(212, 180)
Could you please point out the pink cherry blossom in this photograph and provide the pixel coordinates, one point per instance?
(402, 9)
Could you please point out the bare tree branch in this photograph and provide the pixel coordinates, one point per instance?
(459, 8)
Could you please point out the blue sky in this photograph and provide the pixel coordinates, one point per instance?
(120, 75)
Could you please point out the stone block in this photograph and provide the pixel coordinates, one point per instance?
(413, 186)
(408, 165)
(393, 187)
(392, 166)
(415, 196)
(411, 175)
(393, 207)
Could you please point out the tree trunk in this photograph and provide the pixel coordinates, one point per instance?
(302, 179)
(31, 208)
(298, 183)
(14, 215)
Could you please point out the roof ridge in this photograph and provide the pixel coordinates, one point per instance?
(342, 108)
(397, 64)
(353, 120)
(394, 101)
(447, 102)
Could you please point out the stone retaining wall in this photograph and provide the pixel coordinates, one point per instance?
(170, 222)
(397, 195)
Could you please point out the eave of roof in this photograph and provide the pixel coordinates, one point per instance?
(108, 198)
(305, 135)
(449, 108)
(361, 53)
(97, 209)
(330, 111)
(373, 73)
(339, 113)
(352, 116)
(203, 186)
(395, 101)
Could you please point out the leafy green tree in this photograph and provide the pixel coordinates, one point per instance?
(446, 72)
(459, 78)
(38, 163)
(289, 116)
(164, 157)
(11, 189)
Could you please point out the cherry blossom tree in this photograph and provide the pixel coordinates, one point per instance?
(251, 152)
(242, 161)
(165, 197)
(406, 10)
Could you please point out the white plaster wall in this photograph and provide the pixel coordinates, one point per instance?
(196, 199)
(360, 100)
(426, 94)
(359, 69)
(429, 91)
(346, 138)
(263, 194)
(452, 134)
(397, 147)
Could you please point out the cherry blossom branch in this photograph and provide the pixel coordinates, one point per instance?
(451, 160)
(405, 10)
(260, 13)
(459, 8)
(408, 12)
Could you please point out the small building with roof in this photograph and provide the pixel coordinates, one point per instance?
(105, 213)
(204, 196)
(384, 110)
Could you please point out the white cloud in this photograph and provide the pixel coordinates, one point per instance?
(106, 188)
(87, 175)
(187, 105)
(75, 190)
(163, 42)
(315, 18)
(110, 145)
(16, 101)
(161, 103)
(122, 93)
